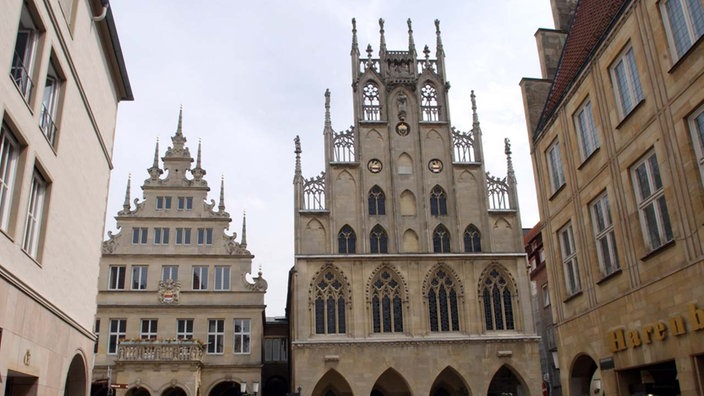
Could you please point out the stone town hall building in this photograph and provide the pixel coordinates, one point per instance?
(176, 314)
(410, 275)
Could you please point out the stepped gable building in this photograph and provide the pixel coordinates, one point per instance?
(410, 274)
(616, 125)
(177, 312)
(62, 76)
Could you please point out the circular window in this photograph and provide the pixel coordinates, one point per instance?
(435, 165)
(403, 129)
(374, 166)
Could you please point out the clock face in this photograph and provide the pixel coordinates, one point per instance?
(403, 129)
(374, 166)
(435, 165)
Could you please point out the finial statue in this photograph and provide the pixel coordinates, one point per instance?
(401, 102)
(382, 46)
(297, 142)
(355, 47)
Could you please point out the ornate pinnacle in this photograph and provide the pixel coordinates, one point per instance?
(475, 117)
(198, 156)
(328, 122)
(155, 171)
(509, 162)
(126, 204)
(244, 231)
(198, 172)
(179, 130)
(382, 44)
(221, 204)
(411, 43)
(298, 151)
(439, 50)
(355, 45)
(426, 51)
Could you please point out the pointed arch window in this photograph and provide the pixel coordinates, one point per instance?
(438, 201)
(472, 239)
(371, 106)
(442, 302)
(429, 102)
(441, 239)
(386, 300)
(377, 201)
(498, 302)
(378, 240)
(329, 303)
(346, 240)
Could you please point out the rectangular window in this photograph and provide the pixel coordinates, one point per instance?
(96, 332)
(205, 236)
(183, 236)
(200, 277)
(684, 21)
(169, 272)
(222, 277)
(185, 203)
(275, 350)
(242, 335)
(184, 329)
(569, 260)
(216, 336)
(624, 76)
(604, 235)
(546, 296)
(650, 195)
(140, 235)
(586, 131)
(163, 203)
(35, 209)
(118, 329)
(555, 171)
(161, 236)
(117, 277)
(139, 277)
(25, 49)
(47, 119)
(149, 329)
(696, 128)
(9, 152)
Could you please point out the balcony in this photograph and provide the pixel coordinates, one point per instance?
(160, 351)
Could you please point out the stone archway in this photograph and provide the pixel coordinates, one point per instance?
(76, 382)
(225, 388)
(275, 386)
(507, 382)
(449, 383)
(173, 391)
(332, 383)
(583, 369)
(391, 383)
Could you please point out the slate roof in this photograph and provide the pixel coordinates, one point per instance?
(592, 20)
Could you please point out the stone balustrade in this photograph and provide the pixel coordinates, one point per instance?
(149, 350)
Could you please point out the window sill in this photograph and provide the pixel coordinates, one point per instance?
(3, 232)
(685, 55)
(572, 296)
(609, 276)
(657, 250)
(554, 194)
(589, 157)
(628, 116)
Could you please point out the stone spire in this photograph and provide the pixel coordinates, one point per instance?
(128, 197)
(475, 117)
(439, 51)
(509, 163)
(297, 142)
(355, 45)
(476, 131)
(221, 204)
(198, 172)
(382, 42)
(328, 122)
(244, 232)
(155, 171)
(411, 42)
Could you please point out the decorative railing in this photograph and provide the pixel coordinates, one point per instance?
(498, 193)
(343, 146)
(148, 350)
(46, 122)
(371, 112)
(20, 75)
(463, 146)
(430, 113)
(314, 193)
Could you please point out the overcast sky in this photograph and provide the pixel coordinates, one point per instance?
(251, 76)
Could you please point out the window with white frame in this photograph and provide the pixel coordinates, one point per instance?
(216, 336)
(242, 335)
(149, 329)
(604, 235)
(183, 236)
(684, 21)
(25, 50)
(185, 203)
(35, 209)
(116, 333)
(139, 277)
(569, 260)
(555, 171)
(169, 272)
(140, 235)
(200, 277)
(222, 277)
(650, 195)
(184, 329)
(117, 277)
(696, 128)
(624, 76)
(205, 236)
(9, 152)
(161, 236)
(586, 131)
(52, 87)
(546, 296)
(163, 203)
